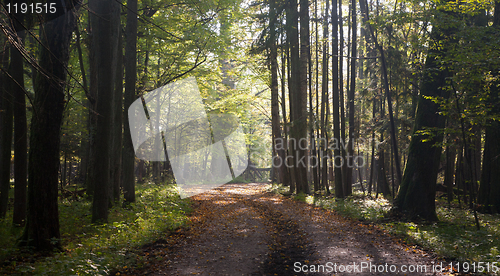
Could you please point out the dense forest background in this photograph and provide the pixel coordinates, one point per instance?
(397, 99)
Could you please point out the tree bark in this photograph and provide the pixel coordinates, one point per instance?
(301, 100)
(42, 221)
(294, 89)
(128, 155)
(105, 24)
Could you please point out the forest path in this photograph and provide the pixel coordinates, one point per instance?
(240, 229)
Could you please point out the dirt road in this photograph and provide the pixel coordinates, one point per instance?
(240, 229)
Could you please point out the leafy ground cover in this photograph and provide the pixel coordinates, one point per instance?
(91, 249)
(454, 237)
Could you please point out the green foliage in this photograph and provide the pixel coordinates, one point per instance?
(97, 249)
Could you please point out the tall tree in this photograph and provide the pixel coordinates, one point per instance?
(324, 103)
(20, 124)
(128, 155)
(301, 100)
(275, 115)
(336, 54)
(116, 164)
(416, 198)
(42, 220)
(293, 87)
(105, 30)
(5, 128)
(489, 191)
(352, 88)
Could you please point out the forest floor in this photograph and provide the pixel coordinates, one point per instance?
(242, 229)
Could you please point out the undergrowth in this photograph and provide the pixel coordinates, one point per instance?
(454, 237)
(91, 249)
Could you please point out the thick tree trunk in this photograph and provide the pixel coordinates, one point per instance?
(301, 100)
(294, 89)
(42, 221)
(416, 198)
(489, 191)
(105, 24)
(128, 155)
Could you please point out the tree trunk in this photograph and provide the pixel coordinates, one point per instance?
(84, 148)
(128, 155)
(276, 129)
(382, 184)
(416, 198)
(324, 102)
(286, 175)
(294, 88)
(301, 100)
(105, 26)
(117, 124)
(92, 121)
(42, 221)
(350, 147)
(6, 125)
(372, 162)
(317, 149)
(449, 171)
(339, 184)
(489, 191)
(20, 127)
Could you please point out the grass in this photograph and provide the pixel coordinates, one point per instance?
(99, 249)
(454, 237)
